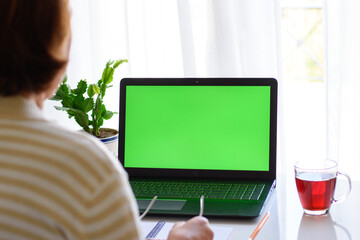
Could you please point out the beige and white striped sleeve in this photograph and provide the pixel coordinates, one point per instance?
(112, 213)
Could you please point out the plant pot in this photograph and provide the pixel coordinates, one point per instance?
(110, 138)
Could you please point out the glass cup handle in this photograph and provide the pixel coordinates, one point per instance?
(342, 198)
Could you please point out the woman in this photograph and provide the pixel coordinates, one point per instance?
(55, 184)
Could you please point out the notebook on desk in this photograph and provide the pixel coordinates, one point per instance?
(183, 138)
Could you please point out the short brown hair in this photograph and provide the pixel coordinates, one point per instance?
(29, 30)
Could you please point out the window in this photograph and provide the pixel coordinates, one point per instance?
(303, 78)
(302, 41)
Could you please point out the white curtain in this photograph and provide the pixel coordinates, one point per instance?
(242, 38)
(343, 84)
(172, 38)
(202, 38)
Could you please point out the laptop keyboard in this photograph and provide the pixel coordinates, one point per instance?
(172, 189)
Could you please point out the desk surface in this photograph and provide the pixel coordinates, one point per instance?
(287, 220)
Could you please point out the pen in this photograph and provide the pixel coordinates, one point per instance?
(148, 208)
(259, 226)
(201, 205)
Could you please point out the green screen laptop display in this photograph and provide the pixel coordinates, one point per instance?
(197, 127)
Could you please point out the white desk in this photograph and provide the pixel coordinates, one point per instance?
(287, 221)
(342, 222)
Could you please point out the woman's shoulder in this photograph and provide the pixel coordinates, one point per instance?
(85, 146)
(77, 149)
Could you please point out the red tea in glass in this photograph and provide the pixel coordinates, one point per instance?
(315, 182)
(315, 195)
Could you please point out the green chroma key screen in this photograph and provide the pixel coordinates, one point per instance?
(197, 127)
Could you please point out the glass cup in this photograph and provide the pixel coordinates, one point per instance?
(315, 182)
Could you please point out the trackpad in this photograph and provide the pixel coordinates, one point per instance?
(160, 204)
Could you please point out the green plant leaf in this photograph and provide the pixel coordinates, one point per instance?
(56, 98)
(93, 89)
(98, 109)
(109, 76)
(109, 63)
(82, 119)
(105, 73)
(78, 100)
(78, 106)
(62, 92)
(87, 105)
(90, 91)
(68, 101)
(70, 111)
(107, 115)
(118, 62)
(103, 108)
(62, 108)
(101, 122)
(108, 73)
(103, 91)
(100, 83)
(81, 87)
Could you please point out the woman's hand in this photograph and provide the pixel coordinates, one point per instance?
(197, 228)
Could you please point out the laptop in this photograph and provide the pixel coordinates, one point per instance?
(183, 139)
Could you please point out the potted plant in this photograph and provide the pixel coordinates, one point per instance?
(85, 104)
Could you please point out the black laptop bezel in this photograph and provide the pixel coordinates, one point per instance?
(201, 174)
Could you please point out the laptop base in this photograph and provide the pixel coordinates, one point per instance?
(213, 208)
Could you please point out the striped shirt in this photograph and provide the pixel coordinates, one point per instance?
(58, 184)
